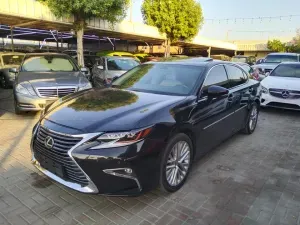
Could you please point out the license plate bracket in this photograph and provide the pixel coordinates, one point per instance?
(51, 165)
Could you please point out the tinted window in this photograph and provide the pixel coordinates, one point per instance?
(121, 64)
(217, 76)
(161, 78)
(48, 63)
(235, 75)
(281, 58)
(287, 71)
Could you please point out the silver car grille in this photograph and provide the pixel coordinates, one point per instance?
(287, 94)
(55, 92)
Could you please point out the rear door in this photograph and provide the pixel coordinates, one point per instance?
(211, 115)
(239, 94)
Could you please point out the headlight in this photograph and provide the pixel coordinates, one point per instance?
(25, 88)
(84, 86)
(118, 139)
(264, 89)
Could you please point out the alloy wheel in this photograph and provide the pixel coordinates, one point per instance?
(178, 163)
(253, 118)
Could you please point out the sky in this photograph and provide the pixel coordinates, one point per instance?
(256, 29)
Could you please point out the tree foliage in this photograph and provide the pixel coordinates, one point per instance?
(180, 20)
(276, 46)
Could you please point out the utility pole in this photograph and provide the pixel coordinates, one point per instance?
(131, 3)
(12, 38)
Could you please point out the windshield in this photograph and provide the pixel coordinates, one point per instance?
(281, 58)
(48, 63)
(288, 70)
(12, 59)
(239, 59)
(121, 64)
(167, 79)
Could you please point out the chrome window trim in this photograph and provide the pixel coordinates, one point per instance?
(91, 187)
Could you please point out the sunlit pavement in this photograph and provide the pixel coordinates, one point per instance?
(247, 180)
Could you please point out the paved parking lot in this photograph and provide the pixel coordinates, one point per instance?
(247, 180)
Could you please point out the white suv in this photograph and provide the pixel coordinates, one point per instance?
(281, 89)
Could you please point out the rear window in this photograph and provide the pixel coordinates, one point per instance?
(239, 59)
(288, 70)
(281, 58)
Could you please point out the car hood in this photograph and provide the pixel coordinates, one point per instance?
(48, 79)
(288, 83)
(269, 66)
(100, 110)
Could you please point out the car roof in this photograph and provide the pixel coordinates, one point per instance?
(290, 63)
(284, 53)
(241, 63)
(194, 63)
(45, 53)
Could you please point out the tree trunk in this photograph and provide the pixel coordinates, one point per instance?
(79, 34)
(167, 48)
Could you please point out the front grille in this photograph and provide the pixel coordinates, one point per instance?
(283, 105)
(59, 154)
(55, 92)
(279, 93)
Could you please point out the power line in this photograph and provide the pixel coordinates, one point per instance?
(244, 19)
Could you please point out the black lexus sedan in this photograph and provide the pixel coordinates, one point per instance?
(146, 129)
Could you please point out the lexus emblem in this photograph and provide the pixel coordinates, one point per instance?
(285, 94)
(49, 142)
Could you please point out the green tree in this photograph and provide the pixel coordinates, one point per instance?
(110, 10)
(276, 46)
(180, 20)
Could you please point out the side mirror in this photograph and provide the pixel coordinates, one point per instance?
(267, 74)
(13, 70)
(100, 67)
(83, 69)
(217, 91)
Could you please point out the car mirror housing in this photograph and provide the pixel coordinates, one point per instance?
(216, 91)
(13, 70)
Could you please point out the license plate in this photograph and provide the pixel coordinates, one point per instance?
(50, 165)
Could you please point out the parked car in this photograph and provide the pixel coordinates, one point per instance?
(74, 52)
(281, 89)
(146, 129)
(9, 60)
(245, 59)
(110, 67)
(45, 77)
(260, 61)
(89, 62)
(273, 60)
(117, 53)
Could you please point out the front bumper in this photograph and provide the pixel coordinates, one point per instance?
(32, 103)
(268, 100)
(121, 171)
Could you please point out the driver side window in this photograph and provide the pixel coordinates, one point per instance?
(217, 76)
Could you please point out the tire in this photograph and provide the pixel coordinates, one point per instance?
(251, 119)
(180, 169)
(17, 110)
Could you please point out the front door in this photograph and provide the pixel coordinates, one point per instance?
(211, 115)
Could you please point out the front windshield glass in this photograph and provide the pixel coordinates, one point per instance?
(281, 58)
(48, 63)
(121, 64)
(167, 79)
(239, 59)
(288, 70)
(12, 59)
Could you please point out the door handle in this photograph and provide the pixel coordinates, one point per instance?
(230, 97)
